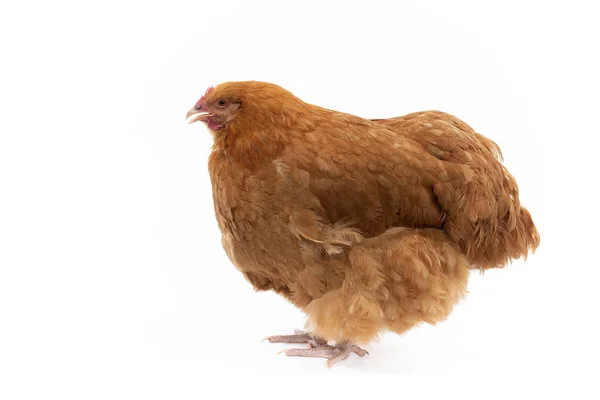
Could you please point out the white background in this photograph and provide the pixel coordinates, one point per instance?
(113, 283)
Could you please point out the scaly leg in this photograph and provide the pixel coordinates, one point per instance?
(317, 347)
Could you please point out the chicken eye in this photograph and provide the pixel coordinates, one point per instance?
(221, 103)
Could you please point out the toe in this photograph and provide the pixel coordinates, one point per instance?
(322, 352)
(359, 351)
(316, 343)
(340, 356)
(302, 338)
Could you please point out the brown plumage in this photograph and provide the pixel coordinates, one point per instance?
(365, 225)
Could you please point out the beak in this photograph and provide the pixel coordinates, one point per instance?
(195, 115)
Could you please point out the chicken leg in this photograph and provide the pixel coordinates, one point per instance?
(317, 347)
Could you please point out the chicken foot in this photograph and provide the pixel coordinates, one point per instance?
(317, 347)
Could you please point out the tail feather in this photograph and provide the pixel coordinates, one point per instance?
(495, 243)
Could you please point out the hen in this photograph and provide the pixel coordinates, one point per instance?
(365, 225)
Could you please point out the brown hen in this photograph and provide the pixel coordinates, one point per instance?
(366, 225)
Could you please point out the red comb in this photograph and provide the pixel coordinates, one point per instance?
(210, 89)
